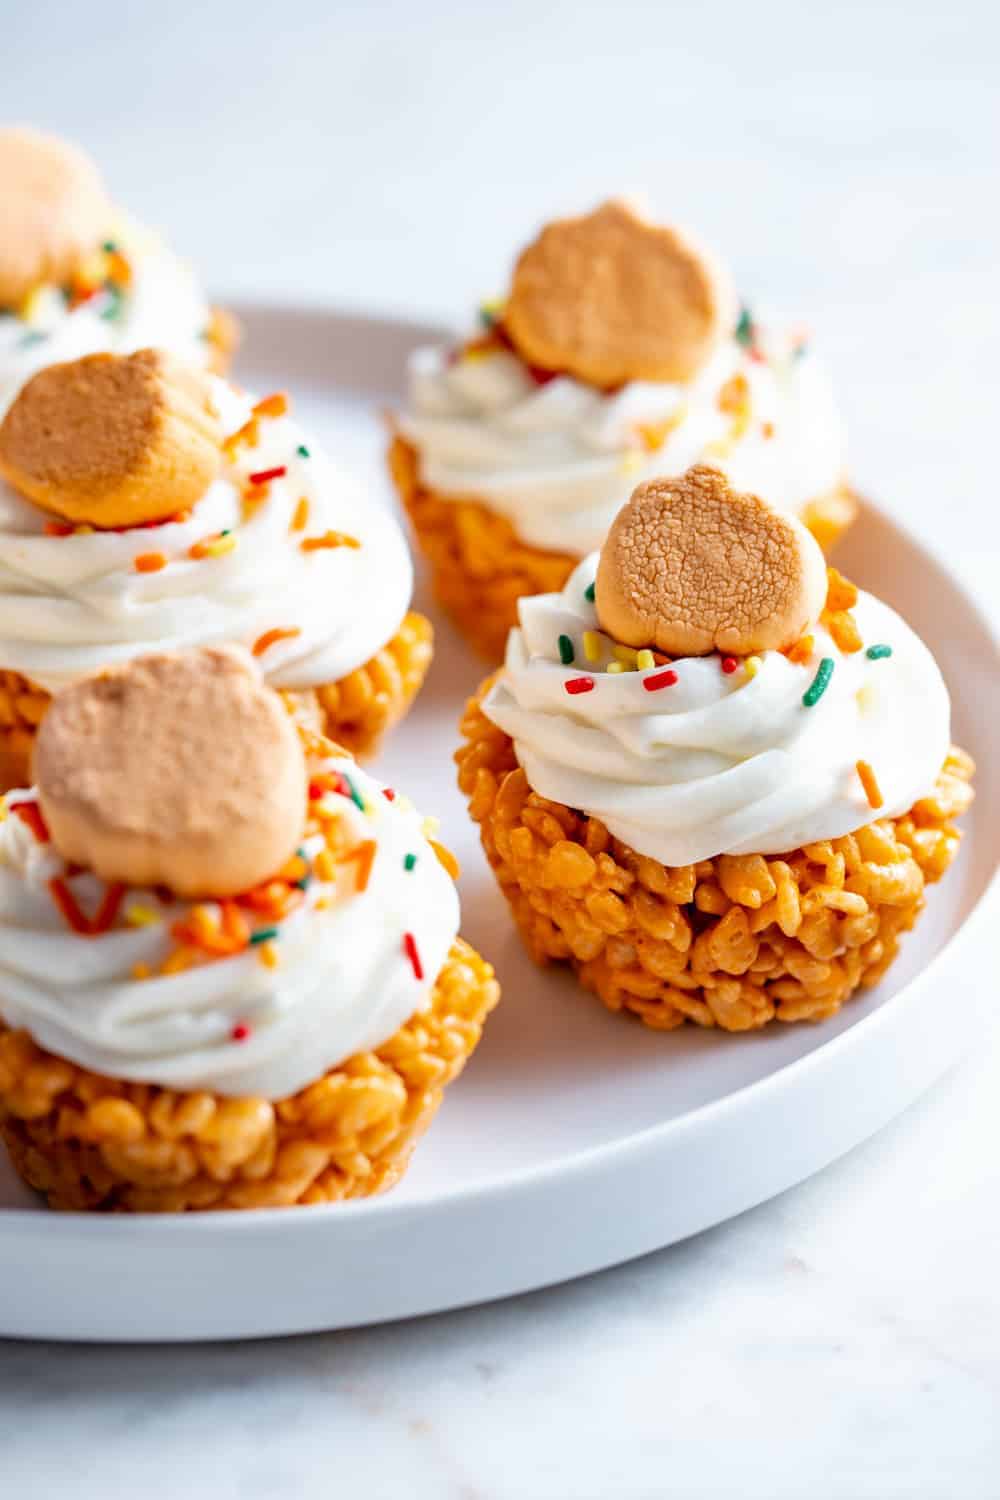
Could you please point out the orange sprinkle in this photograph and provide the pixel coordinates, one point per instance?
(182, 958)
(141, 971)
(363, 855)
(734, 395)
(31, 813)
(301, 516)
(843, 629)
(767, 429)
(275, 405)
(150, 562)
(249, 434)
(58, 528)
(269, 638)
(800, 650)
(66, 903)
(325, 866)
(268, 955)
(653, 435)
(234, 924)
(840, 592)
(329, 539)
(870, 783)
(446, 859)
(293, 870)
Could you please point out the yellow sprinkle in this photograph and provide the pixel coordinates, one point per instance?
(33, 303)
(644, 660)
(429, 827)
(752, 666)
(141, 971)
(3, 808)
(625, 654)
(592, 644)
(141, 916)
(324, 866)
(631, 461)
(268, 955)
(616, 666)
(220, 546)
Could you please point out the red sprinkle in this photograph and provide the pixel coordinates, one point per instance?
(579, 685)
(31, 813)
(263, 475)
(410, 949)
(729, 664)
(388, 794)
(240, 1032)
(659, 680)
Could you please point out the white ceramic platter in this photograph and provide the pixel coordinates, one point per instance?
(575, 1139)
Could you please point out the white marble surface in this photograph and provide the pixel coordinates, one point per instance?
(844, 1340)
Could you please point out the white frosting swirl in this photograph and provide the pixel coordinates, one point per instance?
(560, 459)
(71, 604)
(721, 763)
(344, 982)
(163, 307)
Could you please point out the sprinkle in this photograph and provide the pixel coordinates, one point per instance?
(489, 313)
(446, 859)
(659, 680)
(181, 959)
(412, 953)
(592, 642)
(616, 666)
(801, 650)
(744, 328)
(566, 652)
(241, 1031)
(409, 860)
(644, 660)
(142, 916)
(324, 866)
(149, 562)
(302, 451)
(270, 637)
(58, 528)
(631, 461)
(263, 475)
(141, 971)
(767, 430)
(588, 592)
(729, 665)
(104, 917)
(31, 813)
(269, 956)
(579, 685)
(363, 855)
(843, 630)
(329, 539)
(262, 935)
(275, 405)
(878, 653)
(752, 666)
(66, 904)
(626, 655)
(212, 546)
(868, 780)
(841, 593)
(819, 684)
(301, 516)
(429, 827)
(388, 794)
(249, 434)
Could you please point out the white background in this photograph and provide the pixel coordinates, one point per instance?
(843, 1341)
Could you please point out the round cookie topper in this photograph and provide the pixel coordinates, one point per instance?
(55, 211)
(612, 298)
(113, 440)
(690, 566)
(180, 769)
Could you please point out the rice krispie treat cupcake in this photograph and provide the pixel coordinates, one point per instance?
(619, 353)
(711, 778)
(77, 276)
(230, 975)
(148, 504)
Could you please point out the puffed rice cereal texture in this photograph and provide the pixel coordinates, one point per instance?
(88, 1142)
(735, 941)
(480, 567)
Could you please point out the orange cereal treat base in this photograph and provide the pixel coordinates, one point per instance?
(735, 941)
(88, 1142)
(480, 567)
(356, 711)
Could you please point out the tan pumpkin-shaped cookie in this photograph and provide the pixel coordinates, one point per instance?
(691, 566)
(113, 440)
(611, 298)
(55, 212)
(180, 769)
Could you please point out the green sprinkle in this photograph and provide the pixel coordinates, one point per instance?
(263, 935)
(744, 328)
(109, 247)
(566, 652)
(355, 794)
(409, 861)
(588, 593)
(32, 338)
(876, 653)
(112, 309)
(226, 532)
(819, 684)
(302, 451)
